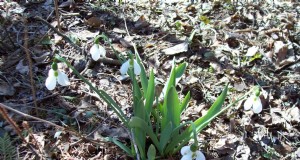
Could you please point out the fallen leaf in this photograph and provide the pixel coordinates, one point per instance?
(252, 51)
(68, 3)
(94, 22)
(6, 89)
(182, 47)
(141, 23)
(22, 68)
(280, 50)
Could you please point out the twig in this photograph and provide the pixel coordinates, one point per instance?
(66, 38)
(28, 56)
(16, 127)
(57, 14)
(3, 106)
(29, 116)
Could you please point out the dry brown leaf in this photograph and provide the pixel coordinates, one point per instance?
(141, 23)
(94, 22)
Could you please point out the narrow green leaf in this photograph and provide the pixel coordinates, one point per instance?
(185, 102)
(143, 75)
(173, 107)
(165, 135)
(121, 145)
(150, 94)
(180, 70)
(102, 94)
(136, 122)
(200, 123)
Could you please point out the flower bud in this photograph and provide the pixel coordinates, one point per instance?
(54, 66)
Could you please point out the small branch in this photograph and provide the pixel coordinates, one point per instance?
(29, 116)
(57, 14)
(3, 107)
(66, 38)
(28, 56)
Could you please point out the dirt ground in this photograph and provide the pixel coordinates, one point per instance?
(244, 43)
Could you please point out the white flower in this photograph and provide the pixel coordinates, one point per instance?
(54, 76)
(253, 102)
(125, 66)
(97, 51)
(187, 154)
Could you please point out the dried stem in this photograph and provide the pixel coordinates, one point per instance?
(28, 56)
(57, 14)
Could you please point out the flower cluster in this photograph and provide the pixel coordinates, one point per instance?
(55, 75)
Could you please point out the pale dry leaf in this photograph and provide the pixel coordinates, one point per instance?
(6, 89)
(22, 68)
(292, 114)
(179, 48)
(280, 50)
(252, 51)
(68, 3)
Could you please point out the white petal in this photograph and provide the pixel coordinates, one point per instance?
(136, 67)
(62, 78)
(200, 155)
(248, 103)
(95, 52)
(102, 51)
(187, 157)
(185, 150)
(124, 67)
(257, 106)
(50, 81)
(51, 73)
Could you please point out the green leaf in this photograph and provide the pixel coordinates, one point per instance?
(173, 109)
(150, 95)
(151, 154)
(180, 70)
(200, 123)
(185, 102)
(143, 75)
(136, 122)
(166, 135)
(121, 145)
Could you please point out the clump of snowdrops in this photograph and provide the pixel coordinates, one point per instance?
(170, 135)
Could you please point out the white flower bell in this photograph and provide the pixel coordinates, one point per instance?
(56, 75)
(125, 66)
(253, 102)
(97, 51)
(188, 154)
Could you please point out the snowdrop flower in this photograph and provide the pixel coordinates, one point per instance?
(97, 51)
(188, 154)
(125, 66)
(253, 102)
(56, 75)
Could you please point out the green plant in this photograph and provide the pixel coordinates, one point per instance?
(170, 134)
(7, 150)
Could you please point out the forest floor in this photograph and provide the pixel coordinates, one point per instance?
(242, 43)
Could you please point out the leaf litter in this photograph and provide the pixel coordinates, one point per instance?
(241, 43)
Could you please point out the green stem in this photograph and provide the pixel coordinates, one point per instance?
(101, 93)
